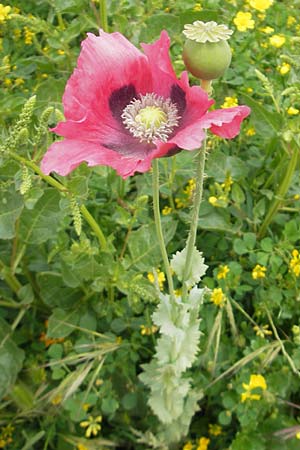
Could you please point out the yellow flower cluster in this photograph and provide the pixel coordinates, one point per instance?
(214, 429)
(4, 12)
(92, 426)
(6, 436)
(259, 272)
(188, 446)
(243, 21)
(292, 111)
(81, 447)
(262, 331)
(160, 278)
(222, 191)
(203, 443)
(28, 35)
(166, 210)
(218, 297)
(284, 68)
(295, 263)
(277, 40)
(260, 5)
(188, 191)
(147, 331)
(222, 272)
(230, 102)
(256, 381)
(251, 131)
(267, 30)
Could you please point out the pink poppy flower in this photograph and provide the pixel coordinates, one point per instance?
(124, 107)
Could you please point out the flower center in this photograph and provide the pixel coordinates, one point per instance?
(150, 118)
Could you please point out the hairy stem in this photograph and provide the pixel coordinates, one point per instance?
(200, 161)
(158, 226)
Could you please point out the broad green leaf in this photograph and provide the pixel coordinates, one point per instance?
(11, 359)
(41, 223)
(261, 114)
(220, 165)
(62, 323)
(54, 292)
(144, 247)
(158, 22)
(11, 205)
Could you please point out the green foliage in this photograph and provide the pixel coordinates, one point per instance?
(79, 313)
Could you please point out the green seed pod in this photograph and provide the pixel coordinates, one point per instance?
(206, 52)
(206, 61)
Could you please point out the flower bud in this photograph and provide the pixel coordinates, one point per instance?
(206, 52)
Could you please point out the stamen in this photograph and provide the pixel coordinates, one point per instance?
(151, 117)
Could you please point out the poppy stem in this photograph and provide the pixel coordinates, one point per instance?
(103, 16)
(158, 226)
(200, 161)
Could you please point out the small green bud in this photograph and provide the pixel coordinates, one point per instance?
(206, 52)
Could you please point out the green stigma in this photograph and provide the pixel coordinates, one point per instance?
(151, 117)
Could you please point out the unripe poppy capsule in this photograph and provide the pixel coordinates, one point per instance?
(206, 52)
(206, 61)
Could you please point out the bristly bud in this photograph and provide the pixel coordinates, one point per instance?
(26, 181)
(76, 215)
(206, 52)
(43, 124)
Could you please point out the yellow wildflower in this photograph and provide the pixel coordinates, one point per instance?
(56, 400)
(188, 446)
(297, 435)
(218, 297)
(256, 381)
(262, 331)
(166, 210)
(297, 197)
(4, 12)
(81, 447)
(284, 68)
(260, 5)
(197, 7)
(251, 131)
(60, 52)
(160, 278)
(222, 272)
(249, 89)
(179, 203)
(295, 263)
(7, 82)
(17, 33)
(213, 200)
(92, 426)
(28, 35)
(230, 102)
(292, 111)
(243, 21)
(267, 30)
(277, 40)
(19, 81)
(6, 436)
(189, 189)
(259, 272)
(203, 443)
(147, 331)
(214, 429)
(227, 183)
(290, 21)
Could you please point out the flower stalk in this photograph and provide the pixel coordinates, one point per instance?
(195, 215)
(159, 232)
(103, 15)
